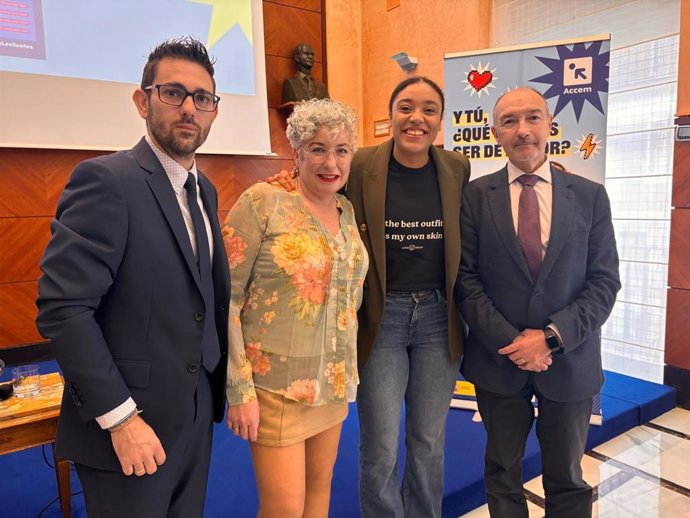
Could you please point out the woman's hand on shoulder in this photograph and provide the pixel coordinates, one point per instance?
(284, 179)
(243, 419)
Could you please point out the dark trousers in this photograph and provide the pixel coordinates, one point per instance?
(176, 490)
(562, 433)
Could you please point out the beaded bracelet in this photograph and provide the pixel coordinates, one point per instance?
(128, 419)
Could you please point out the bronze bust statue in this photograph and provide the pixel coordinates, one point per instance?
(302, 85)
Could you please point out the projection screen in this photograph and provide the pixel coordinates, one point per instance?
(68, 69)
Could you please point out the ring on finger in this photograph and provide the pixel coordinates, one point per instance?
(235, 428)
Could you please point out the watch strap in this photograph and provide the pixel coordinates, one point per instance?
(553, 341)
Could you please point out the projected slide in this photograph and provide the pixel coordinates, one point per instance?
(77, 62)
(108, 40)
(21, 29)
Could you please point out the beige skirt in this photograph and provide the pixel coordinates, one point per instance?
(284, 421)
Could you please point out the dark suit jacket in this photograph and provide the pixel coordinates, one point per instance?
(294, 89)
(576, 287)
(120, 299)
(366, 189)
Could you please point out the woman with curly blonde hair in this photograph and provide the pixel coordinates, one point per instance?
(298, 266)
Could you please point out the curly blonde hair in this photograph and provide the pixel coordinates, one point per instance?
(310, 116)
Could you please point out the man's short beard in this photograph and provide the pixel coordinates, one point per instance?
(173, 146)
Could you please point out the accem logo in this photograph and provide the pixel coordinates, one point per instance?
(577, 71)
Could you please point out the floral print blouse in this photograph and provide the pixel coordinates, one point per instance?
(295, 293)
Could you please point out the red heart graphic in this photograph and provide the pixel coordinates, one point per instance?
(479, 80)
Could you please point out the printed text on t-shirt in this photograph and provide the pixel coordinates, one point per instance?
(402, 230)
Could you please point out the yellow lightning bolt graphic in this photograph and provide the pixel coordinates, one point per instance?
(225, 15)
(587, 146)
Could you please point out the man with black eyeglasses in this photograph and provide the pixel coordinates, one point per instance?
(134, 297)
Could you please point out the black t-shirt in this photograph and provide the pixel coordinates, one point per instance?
(414, 229)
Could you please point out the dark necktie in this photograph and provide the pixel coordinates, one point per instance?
(529, 228)
(209, 347)
(307, 81)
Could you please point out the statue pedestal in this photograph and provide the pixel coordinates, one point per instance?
(286, 108)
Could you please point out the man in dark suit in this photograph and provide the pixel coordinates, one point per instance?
(134, 298)
(303, 85)
(538, 279)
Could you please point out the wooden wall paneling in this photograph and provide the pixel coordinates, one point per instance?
(683, 90)
(233, 175)
(221, 172)
(677, 328)
(23, 191)
(22, 241)
(312, 5)
(679, 250)
(23, 183)
(324, 45)
(681, 175)
(279, 142)
(277, 70)
(31, 180)
(18, 313)
(285, 27)
(58, 165)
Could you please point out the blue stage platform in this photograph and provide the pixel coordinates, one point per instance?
(28, 484)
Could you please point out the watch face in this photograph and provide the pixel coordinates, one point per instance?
(552, 340)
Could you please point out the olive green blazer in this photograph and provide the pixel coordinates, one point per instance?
(366, 189)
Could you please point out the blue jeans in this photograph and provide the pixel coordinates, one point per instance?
(410, 360)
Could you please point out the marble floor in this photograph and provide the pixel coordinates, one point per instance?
(644, 473)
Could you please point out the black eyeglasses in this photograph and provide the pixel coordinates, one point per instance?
(176, 96)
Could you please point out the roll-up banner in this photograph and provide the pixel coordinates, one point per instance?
(573, 75)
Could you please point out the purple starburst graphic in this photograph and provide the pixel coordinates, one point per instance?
(576, 76)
